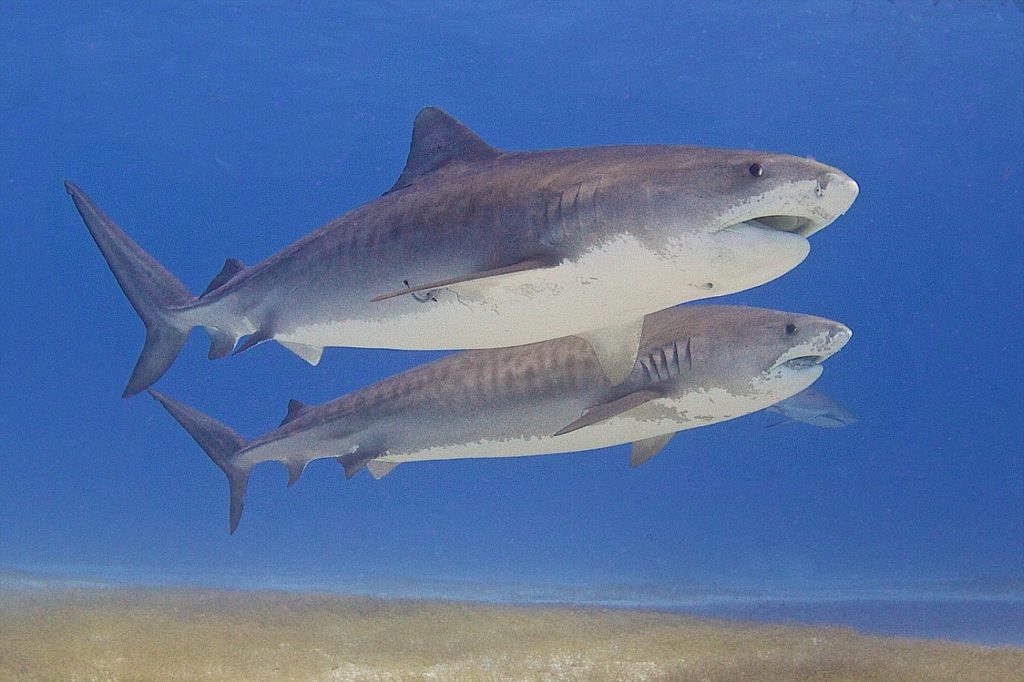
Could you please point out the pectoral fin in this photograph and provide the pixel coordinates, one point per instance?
(644, 449)
(352, 465)
(616, 348)
(310, 354)
(599, 413)
(522, 266)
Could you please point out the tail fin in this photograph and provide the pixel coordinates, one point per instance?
(152, 291)
(220, 443)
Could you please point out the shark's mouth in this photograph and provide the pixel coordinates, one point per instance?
(793, 224)
(786, 223)
(802, 207)
(803, 361)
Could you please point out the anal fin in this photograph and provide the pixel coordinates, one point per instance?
(644, 449)
(616, 348)
(521, 266)
(310, 354)
(254, 339)
(599, 413)
(221, 343)
(380, 468)
(295, 470)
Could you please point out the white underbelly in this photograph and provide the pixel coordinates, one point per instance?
(619, 282)
(666, 415)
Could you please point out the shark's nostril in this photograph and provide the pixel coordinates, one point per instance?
(843, 184)
(841, 335)
(826, 179)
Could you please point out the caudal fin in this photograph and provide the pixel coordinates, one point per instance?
(153, 291)
(221, 443)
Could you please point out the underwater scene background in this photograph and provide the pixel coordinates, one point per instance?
(226, 129)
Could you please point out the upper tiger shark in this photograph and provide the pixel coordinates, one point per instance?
(475, 247)
(696, 365)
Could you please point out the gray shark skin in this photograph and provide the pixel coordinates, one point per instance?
(811, 406)
(697, 365)
(475, 247)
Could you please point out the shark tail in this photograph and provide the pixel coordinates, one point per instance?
(221, 443)
(155, 293)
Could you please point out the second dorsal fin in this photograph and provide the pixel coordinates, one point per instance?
(437, 140)
(295, 408)
(232, 266)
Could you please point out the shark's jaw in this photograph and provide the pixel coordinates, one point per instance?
(802, 207)
(793, 224)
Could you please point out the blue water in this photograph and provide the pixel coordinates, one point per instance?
(229, 130)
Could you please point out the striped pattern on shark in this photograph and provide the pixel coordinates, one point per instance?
(696, 365)
(475, 247)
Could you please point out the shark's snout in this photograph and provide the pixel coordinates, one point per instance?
(842, 188)
(827, 339)
(835, 193)
(838, 336)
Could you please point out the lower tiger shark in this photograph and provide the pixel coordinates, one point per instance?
(476, 247)
(697, 365)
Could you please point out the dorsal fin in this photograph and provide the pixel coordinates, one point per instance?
(295, 408)
(437, 140)
(232, 266)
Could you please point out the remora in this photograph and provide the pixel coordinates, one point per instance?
(697, 365)
(811, 406)
(475, 247)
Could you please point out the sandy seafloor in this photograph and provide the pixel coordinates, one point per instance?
(61, 629)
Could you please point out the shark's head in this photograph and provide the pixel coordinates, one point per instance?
(776, 192)
(786, 351)
(753, 356)
(736, 219)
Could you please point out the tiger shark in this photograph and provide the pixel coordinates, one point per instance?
(696, 365)
(475, 247)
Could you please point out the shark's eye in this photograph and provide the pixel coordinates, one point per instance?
(790, 329)
(756, 170)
